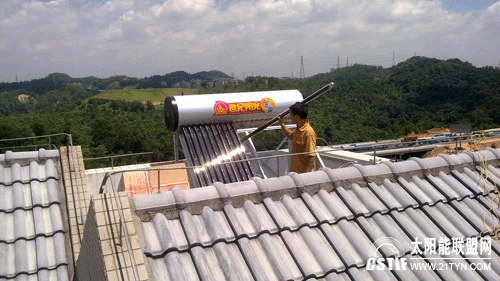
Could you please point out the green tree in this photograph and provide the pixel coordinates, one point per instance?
(38, 128)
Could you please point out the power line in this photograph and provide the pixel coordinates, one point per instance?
(319, 64)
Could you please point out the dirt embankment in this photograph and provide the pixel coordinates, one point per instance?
(26, 99)
(474, 144)
(429, 133)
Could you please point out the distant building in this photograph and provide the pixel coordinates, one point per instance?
(182, 84)
(186, 84)
(195, 83)
(131, 87)
(223, 81)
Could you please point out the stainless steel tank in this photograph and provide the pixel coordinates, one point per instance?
(248, 107)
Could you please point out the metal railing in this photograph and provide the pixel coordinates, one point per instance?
(35, 146)
(117, 156)
(123, 228)
(277, 157)
(70, 138)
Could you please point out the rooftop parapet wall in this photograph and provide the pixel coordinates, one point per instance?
(77, 194)
(105, 254)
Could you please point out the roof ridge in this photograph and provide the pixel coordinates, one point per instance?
(218, 195)
(41, 155)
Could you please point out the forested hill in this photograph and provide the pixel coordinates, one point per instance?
(373, 103)
(56, 81)
(56, 88)
(367, 103)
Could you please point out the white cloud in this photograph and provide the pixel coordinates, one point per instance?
(36, 27)
(266, 37)
(113, 6)
(182, 9)
(494, 8)
(190, 6)
(55, 2)
(480, 40)
(414, 10)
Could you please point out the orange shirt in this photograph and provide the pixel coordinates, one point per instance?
(303, 140)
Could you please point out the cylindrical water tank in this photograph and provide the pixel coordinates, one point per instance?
(250, 107)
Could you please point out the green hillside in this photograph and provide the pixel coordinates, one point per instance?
(154, 95)
(45, 93)
(367, 103)
(373, 103)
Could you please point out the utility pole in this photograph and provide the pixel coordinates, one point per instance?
(16, 78)
(302, 71)
(393, 59)
(347, 64)
(338, 62)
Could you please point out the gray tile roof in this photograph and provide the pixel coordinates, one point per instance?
(31, 228)
(322, 225)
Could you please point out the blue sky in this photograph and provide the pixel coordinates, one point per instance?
(140, 38)
(467, 5)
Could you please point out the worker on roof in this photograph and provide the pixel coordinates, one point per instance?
(303, 139)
